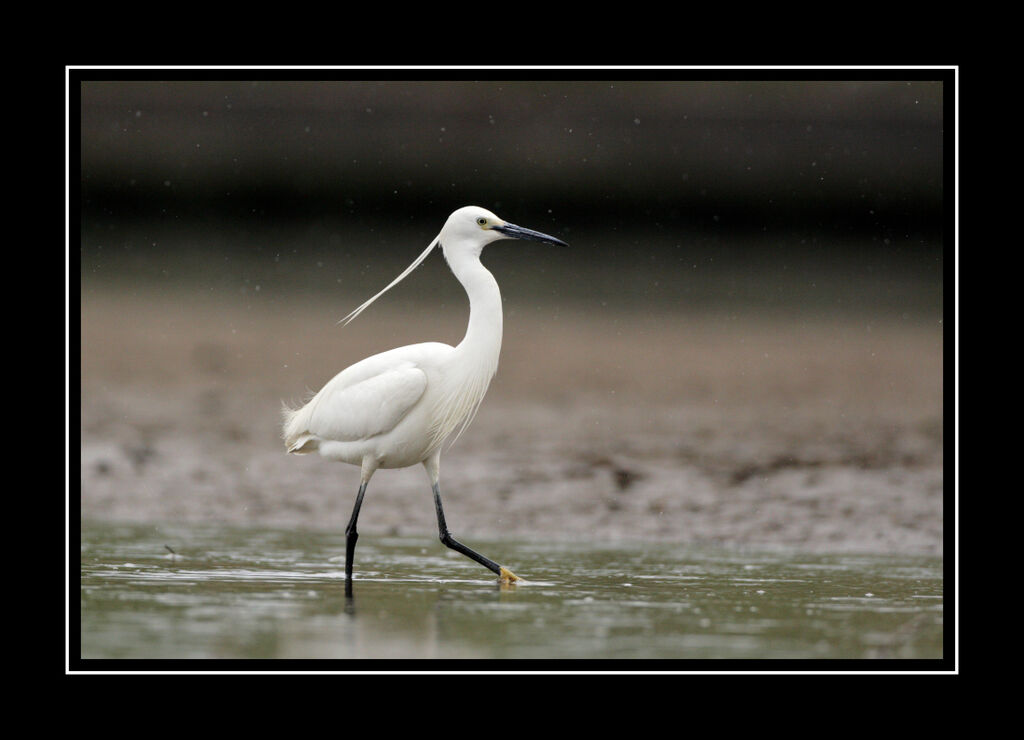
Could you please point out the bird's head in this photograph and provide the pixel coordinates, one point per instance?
(472, 228)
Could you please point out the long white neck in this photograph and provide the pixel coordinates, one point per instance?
(482, 344)
(476, 357)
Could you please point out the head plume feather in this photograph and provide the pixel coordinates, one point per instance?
(393, 283)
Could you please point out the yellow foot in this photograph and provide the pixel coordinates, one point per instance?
(507, 576)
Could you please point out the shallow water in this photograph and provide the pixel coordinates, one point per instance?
(236, 593)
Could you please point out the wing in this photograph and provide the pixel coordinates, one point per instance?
(347, 411)
(367, 408)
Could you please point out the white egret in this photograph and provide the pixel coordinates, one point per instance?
(395, 409)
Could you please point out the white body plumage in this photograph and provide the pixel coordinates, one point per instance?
(396, 408)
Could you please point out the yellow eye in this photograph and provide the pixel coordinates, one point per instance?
(482, 221)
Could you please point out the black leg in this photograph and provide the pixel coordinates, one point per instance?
(351, 535)
(454, 544)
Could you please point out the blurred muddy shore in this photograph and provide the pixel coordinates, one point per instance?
(814, 433)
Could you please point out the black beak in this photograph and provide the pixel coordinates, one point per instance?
(518, 232)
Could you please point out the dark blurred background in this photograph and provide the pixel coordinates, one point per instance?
(818, 194)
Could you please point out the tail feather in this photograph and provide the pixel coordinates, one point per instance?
(304, 445)
(297, 438)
